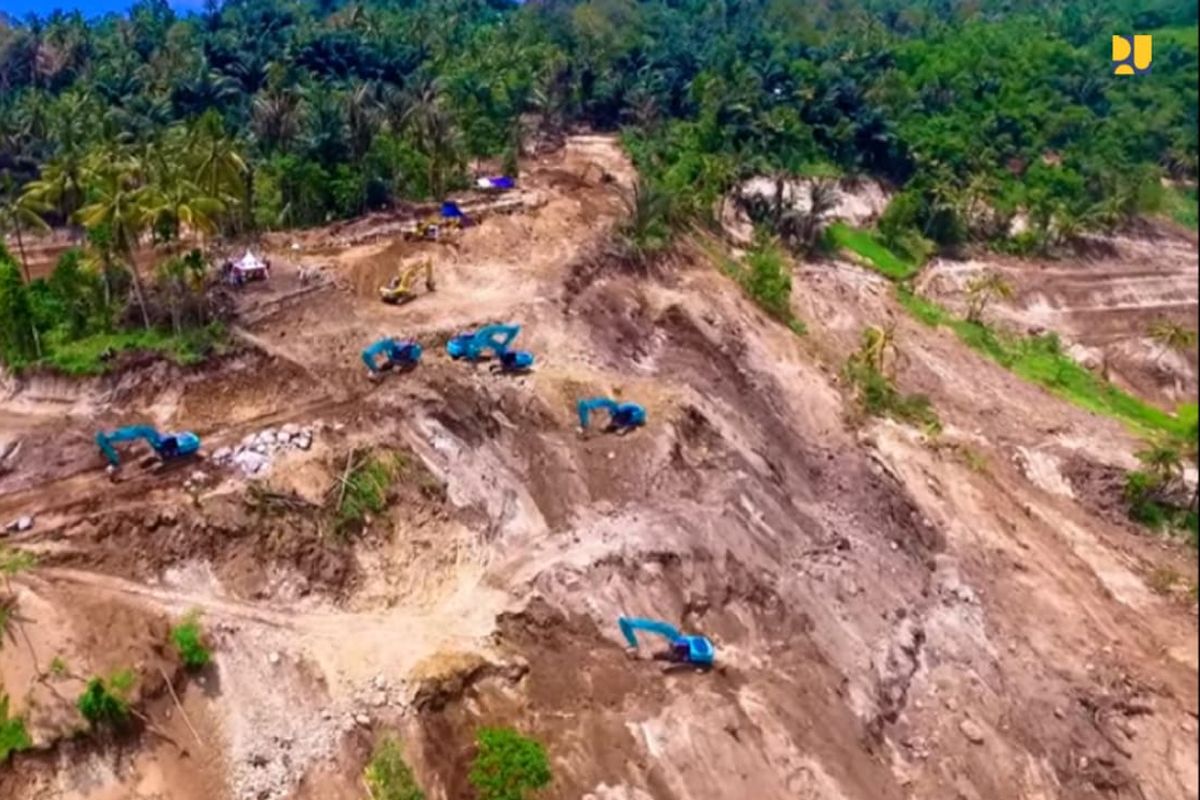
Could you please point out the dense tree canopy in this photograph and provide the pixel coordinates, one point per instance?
(256, 114)
(336, 107)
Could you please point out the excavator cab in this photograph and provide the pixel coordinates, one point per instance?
(399, 354)
(167, 447)
(622, 417)
(514, 361)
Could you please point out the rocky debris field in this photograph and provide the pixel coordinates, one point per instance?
(256, 452)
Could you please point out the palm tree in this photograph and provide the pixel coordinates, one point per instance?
(1171, 336)
(21, 213)
(982, 289)
(362, 111)
(804, 227)
(175, 204)
(217, 165)
(647, 227)
(118, 207)
(435, 131)
(277, 118)
(877, 344)
(1164, 463)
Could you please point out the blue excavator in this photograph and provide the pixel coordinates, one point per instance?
(472, 345)
(168, 447)
(399, 354)
(695, 650)
(622, 417)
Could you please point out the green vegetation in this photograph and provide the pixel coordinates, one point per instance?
(104, 702)
(766, 275)
(13, 736)
(1041, 360)
(94, 354)
(1156, 494)
(58, 667)
(873, 252)
(166, 129)
(507, 765)
(387, 776)
(13, 562)
(1180, 204)
(868, 372)
(65, 323)
(363, 490)
(188, 638)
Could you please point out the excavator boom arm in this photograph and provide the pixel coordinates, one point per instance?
(630, 625)
(127, 434)
(496, 338)
(586, 407)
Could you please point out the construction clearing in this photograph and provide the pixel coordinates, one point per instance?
(855, 608)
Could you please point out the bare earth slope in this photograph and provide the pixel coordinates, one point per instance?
(1105, 303)
(893, 620)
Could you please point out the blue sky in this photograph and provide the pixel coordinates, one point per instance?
(19, 8)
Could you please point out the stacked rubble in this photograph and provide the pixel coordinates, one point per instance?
(253, 456)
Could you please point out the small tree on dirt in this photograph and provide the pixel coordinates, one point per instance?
(646, 231)
(507, 765)
(1171, 336)
(104, 703)
(878, 349)
(12, 563)
(768, 279)
(1163, 461)
(188, 639)
(982, 289)
(388, 776)
(13, 736)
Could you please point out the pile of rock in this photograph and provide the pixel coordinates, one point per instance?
(254, 454)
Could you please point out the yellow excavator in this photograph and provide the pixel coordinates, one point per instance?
(438, 227)
(400, 288)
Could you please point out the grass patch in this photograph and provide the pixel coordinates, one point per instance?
(387, 775)
(364, 489)
(1180, 204)
(13, 736)
(924, 310)
(94, 355)
(188, 639)
(1041, 360)
(874, 252)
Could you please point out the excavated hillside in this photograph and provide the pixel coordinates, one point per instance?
(895, 616)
